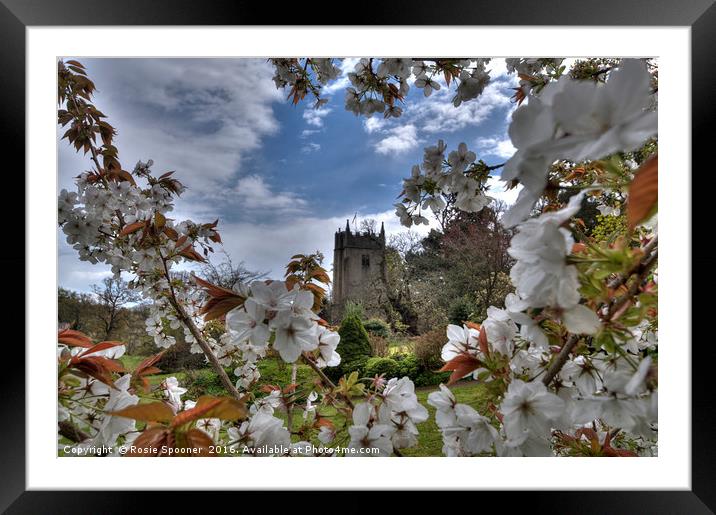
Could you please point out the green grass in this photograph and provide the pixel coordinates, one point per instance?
(430, 441)
(131, 362)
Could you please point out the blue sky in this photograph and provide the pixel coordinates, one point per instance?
(281, 178)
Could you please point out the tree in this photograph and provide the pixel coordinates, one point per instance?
(113, 295)
(228, 274)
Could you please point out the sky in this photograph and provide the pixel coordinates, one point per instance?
(281, 178)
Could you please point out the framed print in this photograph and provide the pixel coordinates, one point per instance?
(283, 244)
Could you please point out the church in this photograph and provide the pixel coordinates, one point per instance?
(358, 265)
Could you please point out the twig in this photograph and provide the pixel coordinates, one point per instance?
(69, 431)
(641, 269)
(205, 347)
(325, 378)
(558, 363)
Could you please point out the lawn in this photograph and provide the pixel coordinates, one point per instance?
(205, 381)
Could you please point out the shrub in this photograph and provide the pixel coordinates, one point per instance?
(353, 309)
(379, 346)
(408, 365)
(428, 348)
(178, 358)
(377, 366)
(377, 327)
(357, 365)
(354, 342)
(460, 310)
(354, 347)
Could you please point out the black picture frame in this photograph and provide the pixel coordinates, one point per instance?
(700, 15)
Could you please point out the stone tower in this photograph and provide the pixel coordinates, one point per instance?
(358, 261)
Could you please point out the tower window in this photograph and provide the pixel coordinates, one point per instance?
(365, 261)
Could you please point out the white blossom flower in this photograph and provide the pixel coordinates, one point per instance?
(273, 296)
(427, 84)
(112, 426)
(367, 435)
(327, 342)
(460, 340)
(247, 324)
(173, 392)
(529, 408)
(476, 433)
(461, 158)
(326, 435)
(294, 334)
(444, 403)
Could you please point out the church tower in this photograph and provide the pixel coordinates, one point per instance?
(358, 261)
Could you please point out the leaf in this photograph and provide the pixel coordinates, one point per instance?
(195, 413)
(75, 63)
(150, 412)
(198, 439)
(482, 341)
(74, 338)
(643, 192)
(217, 308)
(461, 365)
(146, 368)
(130, 228)
(171, 233)
(153, 438)
(227, 408)
(221, 300)
(191, 254)
(100, 347)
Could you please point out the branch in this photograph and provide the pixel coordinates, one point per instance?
(325, 378)
(641, 269)
(69, 431)
(196, 333)
(562, 357)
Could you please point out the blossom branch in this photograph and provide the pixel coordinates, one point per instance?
(325, 378)
(641, 269)
(196, 333)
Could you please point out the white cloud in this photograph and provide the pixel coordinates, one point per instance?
(315, 117)
(401, 139)
(437, 114)
(311, 147)
(200, 117)
(498, 191)
(374, 124)
(496, 147)
(309, 132)
(254, 196)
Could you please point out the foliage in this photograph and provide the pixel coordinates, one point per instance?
(609, 228)
(377, 327)
(380, 366)
(379, 346)
(353, 309)
(461, 309)
(428, 347)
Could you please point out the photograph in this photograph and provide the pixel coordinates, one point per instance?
(356, 256)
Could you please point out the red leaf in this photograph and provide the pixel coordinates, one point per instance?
(100, 347)
(461, 365)
(643, 192)
(134, 227)
(74, 338)
(150, 412)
